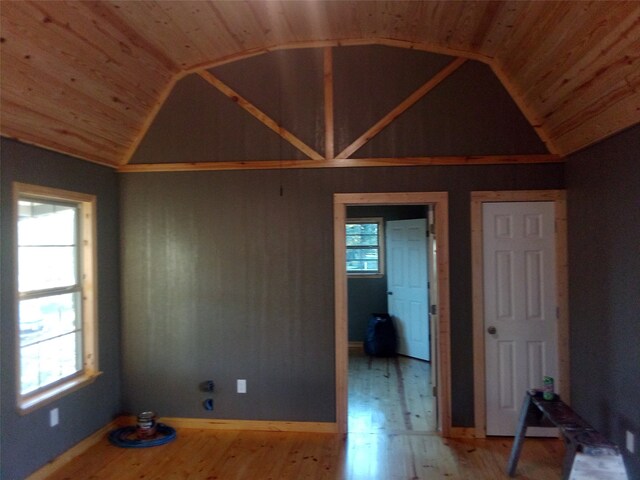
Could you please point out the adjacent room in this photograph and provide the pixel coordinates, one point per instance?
(209, 207)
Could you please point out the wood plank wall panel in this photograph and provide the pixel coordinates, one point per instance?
(199, 124)
(572, 66)
(603, 287)
(575, 86)
(220, 286)
(369, 81)
(469, 112)
(287, 85)
(225, 279)
(89, 100)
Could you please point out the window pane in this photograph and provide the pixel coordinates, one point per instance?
(46, 267)
(42, 223)
(49, 361)
(29, 368)
(362, 254)
(47, 317)
(363, 247)
(362, 234)
(362, 240)
(47, 247)
(362, 228)
(362, 266)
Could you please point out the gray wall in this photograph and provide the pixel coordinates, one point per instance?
(604, 287)
(223, 278)
(226, 279)
(27, 442)
(369, 295)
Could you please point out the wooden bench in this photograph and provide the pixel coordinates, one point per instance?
(589, 454)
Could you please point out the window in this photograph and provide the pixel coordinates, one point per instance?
(365, 246)
(56, 287)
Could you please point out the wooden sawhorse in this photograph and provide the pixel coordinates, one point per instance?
(589, 454)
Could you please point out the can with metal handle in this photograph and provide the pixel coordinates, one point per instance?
(547, 388)
(146, 427)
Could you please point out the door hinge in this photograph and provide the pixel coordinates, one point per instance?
(433, 310)
(435, 390)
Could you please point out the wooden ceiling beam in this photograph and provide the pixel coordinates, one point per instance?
(349, 163)
(329, 147)
(341, 42)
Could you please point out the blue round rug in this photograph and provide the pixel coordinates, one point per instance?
(127, 437)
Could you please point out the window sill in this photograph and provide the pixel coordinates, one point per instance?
(44, 398)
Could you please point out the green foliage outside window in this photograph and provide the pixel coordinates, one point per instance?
(363, 239)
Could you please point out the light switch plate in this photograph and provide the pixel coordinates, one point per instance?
(242, 386)
(54, 418)
(631, 444)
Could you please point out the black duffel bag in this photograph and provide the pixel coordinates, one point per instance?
(381, 339)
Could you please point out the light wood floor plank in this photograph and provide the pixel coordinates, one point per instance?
(391, 437)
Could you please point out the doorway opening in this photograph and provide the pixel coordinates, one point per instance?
(435, 203)
(390, 387)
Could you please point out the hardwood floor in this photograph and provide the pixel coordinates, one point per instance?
(391, 437)
(390, 394)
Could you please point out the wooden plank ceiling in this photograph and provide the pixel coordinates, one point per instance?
(87, 78)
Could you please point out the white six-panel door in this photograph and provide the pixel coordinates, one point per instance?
(521, 343)
(407, 285)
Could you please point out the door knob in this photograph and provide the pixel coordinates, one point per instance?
(492, 330)
(389, 293)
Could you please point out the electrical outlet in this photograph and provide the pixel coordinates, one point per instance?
(54, 417)
(242, 386)
(631, 444)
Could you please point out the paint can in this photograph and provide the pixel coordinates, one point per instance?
(547, 388)
(146, 427)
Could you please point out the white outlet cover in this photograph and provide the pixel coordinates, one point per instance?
(631, 446)
(242, 386)
(54, 418)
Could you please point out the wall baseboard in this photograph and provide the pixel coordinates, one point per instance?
(256, 425)
(73, 452)
(462, 432)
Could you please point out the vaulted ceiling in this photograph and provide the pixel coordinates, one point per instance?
(87, 78)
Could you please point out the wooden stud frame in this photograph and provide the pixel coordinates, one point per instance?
(479, 374)
(341, 163)
(330, 159)
(439, 200)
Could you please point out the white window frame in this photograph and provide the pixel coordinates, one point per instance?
(87, 258)
(381, 241)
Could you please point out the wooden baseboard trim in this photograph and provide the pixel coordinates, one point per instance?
(73, 452)
(462, 432)
(256, 425)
